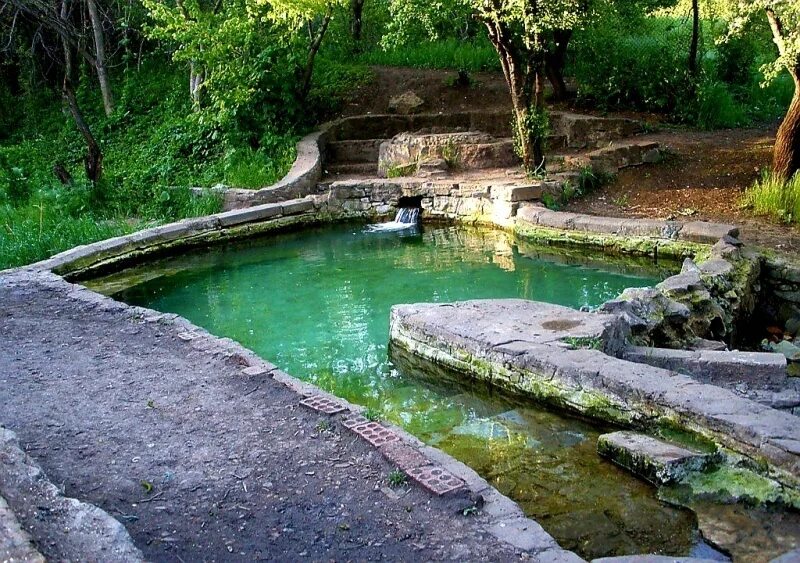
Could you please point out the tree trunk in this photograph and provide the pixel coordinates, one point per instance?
(100, 57)
(357, 24)
(196, 80)
(316, 43)
(94, 157)
(695, 38)
(786, 155)
(555, 62)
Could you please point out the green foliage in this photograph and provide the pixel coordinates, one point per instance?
(371, 414)
(473, 56)
(775, 198)
(644, 67)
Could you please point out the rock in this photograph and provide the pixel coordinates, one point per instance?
(653, 156)
(793, 326)
(788, 557)
(791, 351)
(689, 266)
(652, 459)
(406, 103)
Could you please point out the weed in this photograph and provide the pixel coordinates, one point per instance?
(401, 170)
(371, 414)
(324, 425)
(621, 200)
(470, 511)
(775, 198)
(451, 155)
(147, 486)
(397, 478)
(584, 342)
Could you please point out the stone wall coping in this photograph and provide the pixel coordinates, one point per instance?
(695, 231)
(188, 229)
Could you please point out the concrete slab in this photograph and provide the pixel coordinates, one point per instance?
(655, 460)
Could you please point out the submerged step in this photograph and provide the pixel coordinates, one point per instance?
(650, 458)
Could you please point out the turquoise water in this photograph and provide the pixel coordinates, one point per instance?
(317, 305)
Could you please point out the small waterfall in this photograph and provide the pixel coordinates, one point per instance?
(407, 215)
(406, 218)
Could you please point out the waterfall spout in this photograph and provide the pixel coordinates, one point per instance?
(406, 218)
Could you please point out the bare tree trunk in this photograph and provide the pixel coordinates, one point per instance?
(308, 72)
(357, 23)
(786, 154)
(695, 38)
(94, 157)
(100, 57)
(196, 80)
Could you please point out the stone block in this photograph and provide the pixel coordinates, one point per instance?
(403, 456)
(531, 213)
(249, 214)
(705, 232)
(297, 206)
(524, 534)
(654, 460)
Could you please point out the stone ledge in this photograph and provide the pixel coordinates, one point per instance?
(696, 231)
(508, 343)
(72, 530)
(654, 460)
(763, 370)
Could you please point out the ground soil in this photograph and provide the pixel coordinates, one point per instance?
(198, 461)
(703, 178)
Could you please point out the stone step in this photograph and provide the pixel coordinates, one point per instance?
(348, 168)
(758, 370)
(652, 459)
(355, 151)
(607, 159)
(589, 131)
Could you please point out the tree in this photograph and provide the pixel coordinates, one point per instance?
(783, 17)
(518, 30)
(56, 18)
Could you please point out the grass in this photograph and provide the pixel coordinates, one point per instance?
(371, 414)
(397, 478)
(775, 198)
(450, 54)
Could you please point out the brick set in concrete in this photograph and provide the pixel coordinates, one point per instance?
(549, 352)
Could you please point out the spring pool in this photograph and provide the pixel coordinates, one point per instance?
(316, 303)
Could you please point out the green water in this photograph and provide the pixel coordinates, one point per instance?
(317, 305)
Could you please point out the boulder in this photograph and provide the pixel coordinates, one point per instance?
(406, 103)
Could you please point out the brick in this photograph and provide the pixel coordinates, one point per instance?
(323, 404)
(435, 479)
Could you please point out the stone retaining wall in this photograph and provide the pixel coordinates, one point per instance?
(781, 285)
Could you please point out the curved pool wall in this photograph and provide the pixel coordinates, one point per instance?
(317, 304)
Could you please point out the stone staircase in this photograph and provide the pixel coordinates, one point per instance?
(577, 142)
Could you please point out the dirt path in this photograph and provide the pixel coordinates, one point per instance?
(198, 461)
